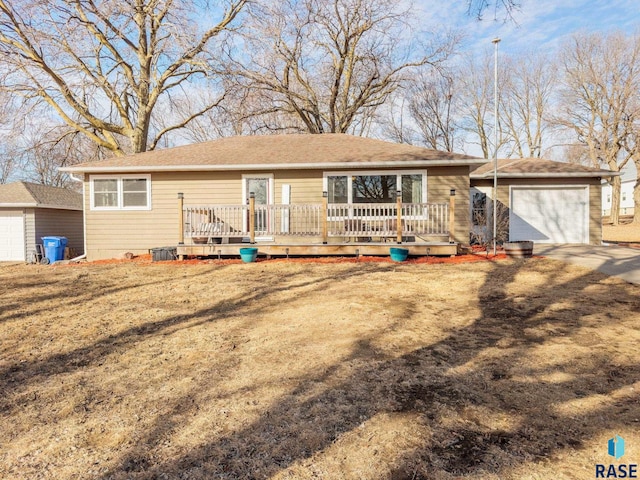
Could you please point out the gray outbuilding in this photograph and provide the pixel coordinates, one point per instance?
(29, 211)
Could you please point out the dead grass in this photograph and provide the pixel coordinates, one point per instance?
(492, 370)
(625, 232)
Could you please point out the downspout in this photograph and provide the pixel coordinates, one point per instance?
(84, 218)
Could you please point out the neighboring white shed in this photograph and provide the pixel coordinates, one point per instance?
(29, 211)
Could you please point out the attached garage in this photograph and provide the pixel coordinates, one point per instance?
(12, 244)
(542, 200)
(30, 211)
(549, 214)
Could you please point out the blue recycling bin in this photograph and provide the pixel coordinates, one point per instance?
(54, 248)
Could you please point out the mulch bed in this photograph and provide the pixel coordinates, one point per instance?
(468, 258)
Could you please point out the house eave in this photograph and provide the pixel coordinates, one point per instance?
(489, 175)
(273, 166)
(38, 205)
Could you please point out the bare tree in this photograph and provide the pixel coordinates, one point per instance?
(576, 153)
(525, 89)
(326, 65)
(8, 161)
(396, 123)
(526, 96)
(476, 103)
(425, 112)
(600, 100)
(432, 108)
(8, 132)
(45, 148)
(104, 67)
(477, 8)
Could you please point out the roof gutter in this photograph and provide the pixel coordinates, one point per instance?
(272, 166)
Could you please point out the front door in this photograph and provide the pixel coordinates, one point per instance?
(261, 188)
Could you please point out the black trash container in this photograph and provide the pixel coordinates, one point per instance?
(164, 253)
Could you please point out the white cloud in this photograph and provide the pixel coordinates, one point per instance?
(539, 24)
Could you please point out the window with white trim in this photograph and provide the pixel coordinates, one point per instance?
(375, 187)
(123, 192)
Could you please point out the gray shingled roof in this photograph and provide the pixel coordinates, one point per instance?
(537, 168)
(277, 152)
(25, 194)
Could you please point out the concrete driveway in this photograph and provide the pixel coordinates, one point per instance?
(622, 262)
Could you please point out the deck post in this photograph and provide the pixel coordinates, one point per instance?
(452, 215)
(252, 217)
(399, 216)
(324, 213)
(181, 218)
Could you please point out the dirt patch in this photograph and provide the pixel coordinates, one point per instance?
(295, 369)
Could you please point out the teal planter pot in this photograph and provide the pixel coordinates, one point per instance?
(399, 254)
(248, 255)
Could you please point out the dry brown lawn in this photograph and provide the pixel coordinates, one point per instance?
(625, 232)
(282, 370)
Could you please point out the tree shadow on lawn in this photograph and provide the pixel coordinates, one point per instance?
(455, 389)
(18, 377)
(75, 290)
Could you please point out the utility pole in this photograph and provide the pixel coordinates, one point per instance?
(495, 41)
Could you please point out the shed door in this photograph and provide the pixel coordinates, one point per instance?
(12, 246)
(549, 214)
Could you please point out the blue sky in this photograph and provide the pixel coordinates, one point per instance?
(539, 24)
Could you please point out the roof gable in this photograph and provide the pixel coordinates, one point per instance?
(25, 194)
(277, 152)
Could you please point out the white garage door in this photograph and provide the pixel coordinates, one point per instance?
(11, 237)
(550, 214)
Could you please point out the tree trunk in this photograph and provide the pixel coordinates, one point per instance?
(616, 185)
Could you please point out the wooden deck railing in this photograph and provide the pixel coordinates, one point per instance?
(202, 223)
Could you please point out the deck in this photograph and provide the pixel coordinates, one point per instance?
(314, 249)
(317, 229)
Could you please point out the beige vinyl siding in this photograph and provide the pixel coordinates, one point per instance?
(440, 181)
(595, 189)
(60, 223)
(595, 212)
(306, 185)
(111, 233)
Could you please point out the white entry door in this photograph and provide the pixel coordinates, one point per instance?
(12, 246)
(549, 214)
